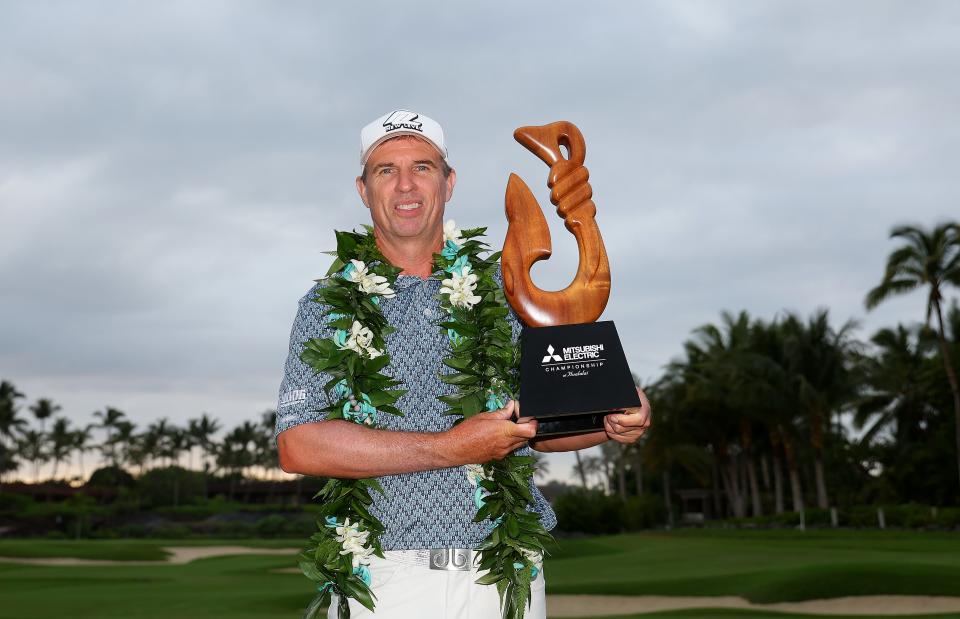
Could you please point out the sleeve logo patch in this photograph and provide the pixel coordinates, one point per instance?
(292, 397)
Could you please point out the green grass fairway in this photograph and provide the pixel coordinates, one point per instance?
(123, 550)
(240, 587)
(761, 566)
(724, 613)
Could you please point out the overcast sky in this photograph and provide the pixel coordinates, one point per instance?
(170, 172)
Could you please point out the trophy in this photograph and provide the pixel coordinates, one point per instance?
(572, 369)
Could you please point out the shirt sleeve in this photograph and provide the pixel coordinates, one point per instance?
(302, 396)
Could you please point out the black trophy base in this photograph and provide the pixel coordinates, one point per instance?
(570, 424)
(571, 376)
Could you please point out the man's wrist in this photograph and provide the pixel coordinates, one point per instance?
(443, 449)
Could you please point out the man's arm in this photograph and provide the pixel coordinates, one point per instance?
(346, 450)
(625, 427)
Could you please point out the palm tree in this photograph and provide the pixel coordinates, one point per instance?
(109, 418)
(140, 449)
(776, 387)
(152, 441)
(593, 465)
(266, 455)
(713, 371)
(234, 454)
(123, 441)
(43, 409)
(8, 462)
(61, 442)
(80, 443)
(202, 431)
(173, 443)
(245, 435)
(580, 470)
(673, 437)
(165, 435)
(894, 397)
(819, 360)
(637, 466)
(10, 424)
(614, 456)
(32, 445)
(930, 260)
(10, 427)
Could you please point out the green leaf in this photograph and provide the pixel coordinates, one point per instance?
(372, 366)
(513, 527)
(393, 410)
(318, 602)
(309, 569)
(459, 379)
(357, 589)
(346, 243)
(378, 398)
(472, 404)
(375, 484)
(489, 578)
(342, 323)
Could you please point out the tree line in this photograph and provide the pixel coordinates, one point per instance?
(246, 449)
(782, 414)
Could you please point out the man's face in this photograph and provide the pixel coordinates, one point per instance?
(405, 189)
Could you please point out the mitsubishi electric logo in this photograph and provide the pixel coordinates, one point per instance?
(590, 352)
(550, 356)
(402, 119)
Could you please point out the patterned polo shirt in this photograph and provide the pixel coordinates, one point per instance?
(427, 509)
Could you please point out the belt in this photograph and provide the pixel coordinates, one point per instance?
(448, 559)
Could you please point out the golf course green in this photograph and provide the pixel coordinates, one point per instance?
(760, 566)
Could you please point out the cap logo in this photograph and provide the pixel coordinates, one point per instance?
(402, 119)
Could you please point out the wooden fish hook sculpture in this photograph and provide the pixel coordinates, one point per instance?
(528, 237)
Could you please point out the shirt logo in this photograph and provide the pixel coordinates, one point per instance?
(402, 119)
(292, 397)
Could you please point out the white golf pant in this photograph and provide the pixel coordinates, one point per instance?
(406, 588)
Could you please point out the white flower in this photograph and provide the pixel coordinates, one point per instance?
(476, 474)
(451, 232)
(354, 541)
(531, 555)
(359, 339)
(370, 283)
(460, 287)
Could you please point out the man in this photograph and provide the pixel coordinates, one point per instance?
(405, 183)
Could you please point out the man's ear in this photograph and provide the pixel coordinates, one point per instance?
(362, 190)
(451, 180)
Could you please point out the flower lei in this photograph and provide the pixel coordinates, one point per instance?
(484, 361)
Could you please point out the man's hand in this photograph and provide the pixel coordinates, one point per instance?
(629, 425)
(487, 436)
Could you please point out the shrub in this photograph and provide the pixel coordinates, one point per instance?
(170, 531)
(816, 517)
(14, 504)
(643, 512)
(589, 512)
(948, 517)
(271, 526)
(111, 477)
(170, 486)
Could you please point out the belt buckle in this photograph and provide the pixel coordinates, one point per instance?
(451, 559)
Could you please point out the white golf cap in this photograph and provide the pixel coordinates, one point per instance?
(400, 122)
